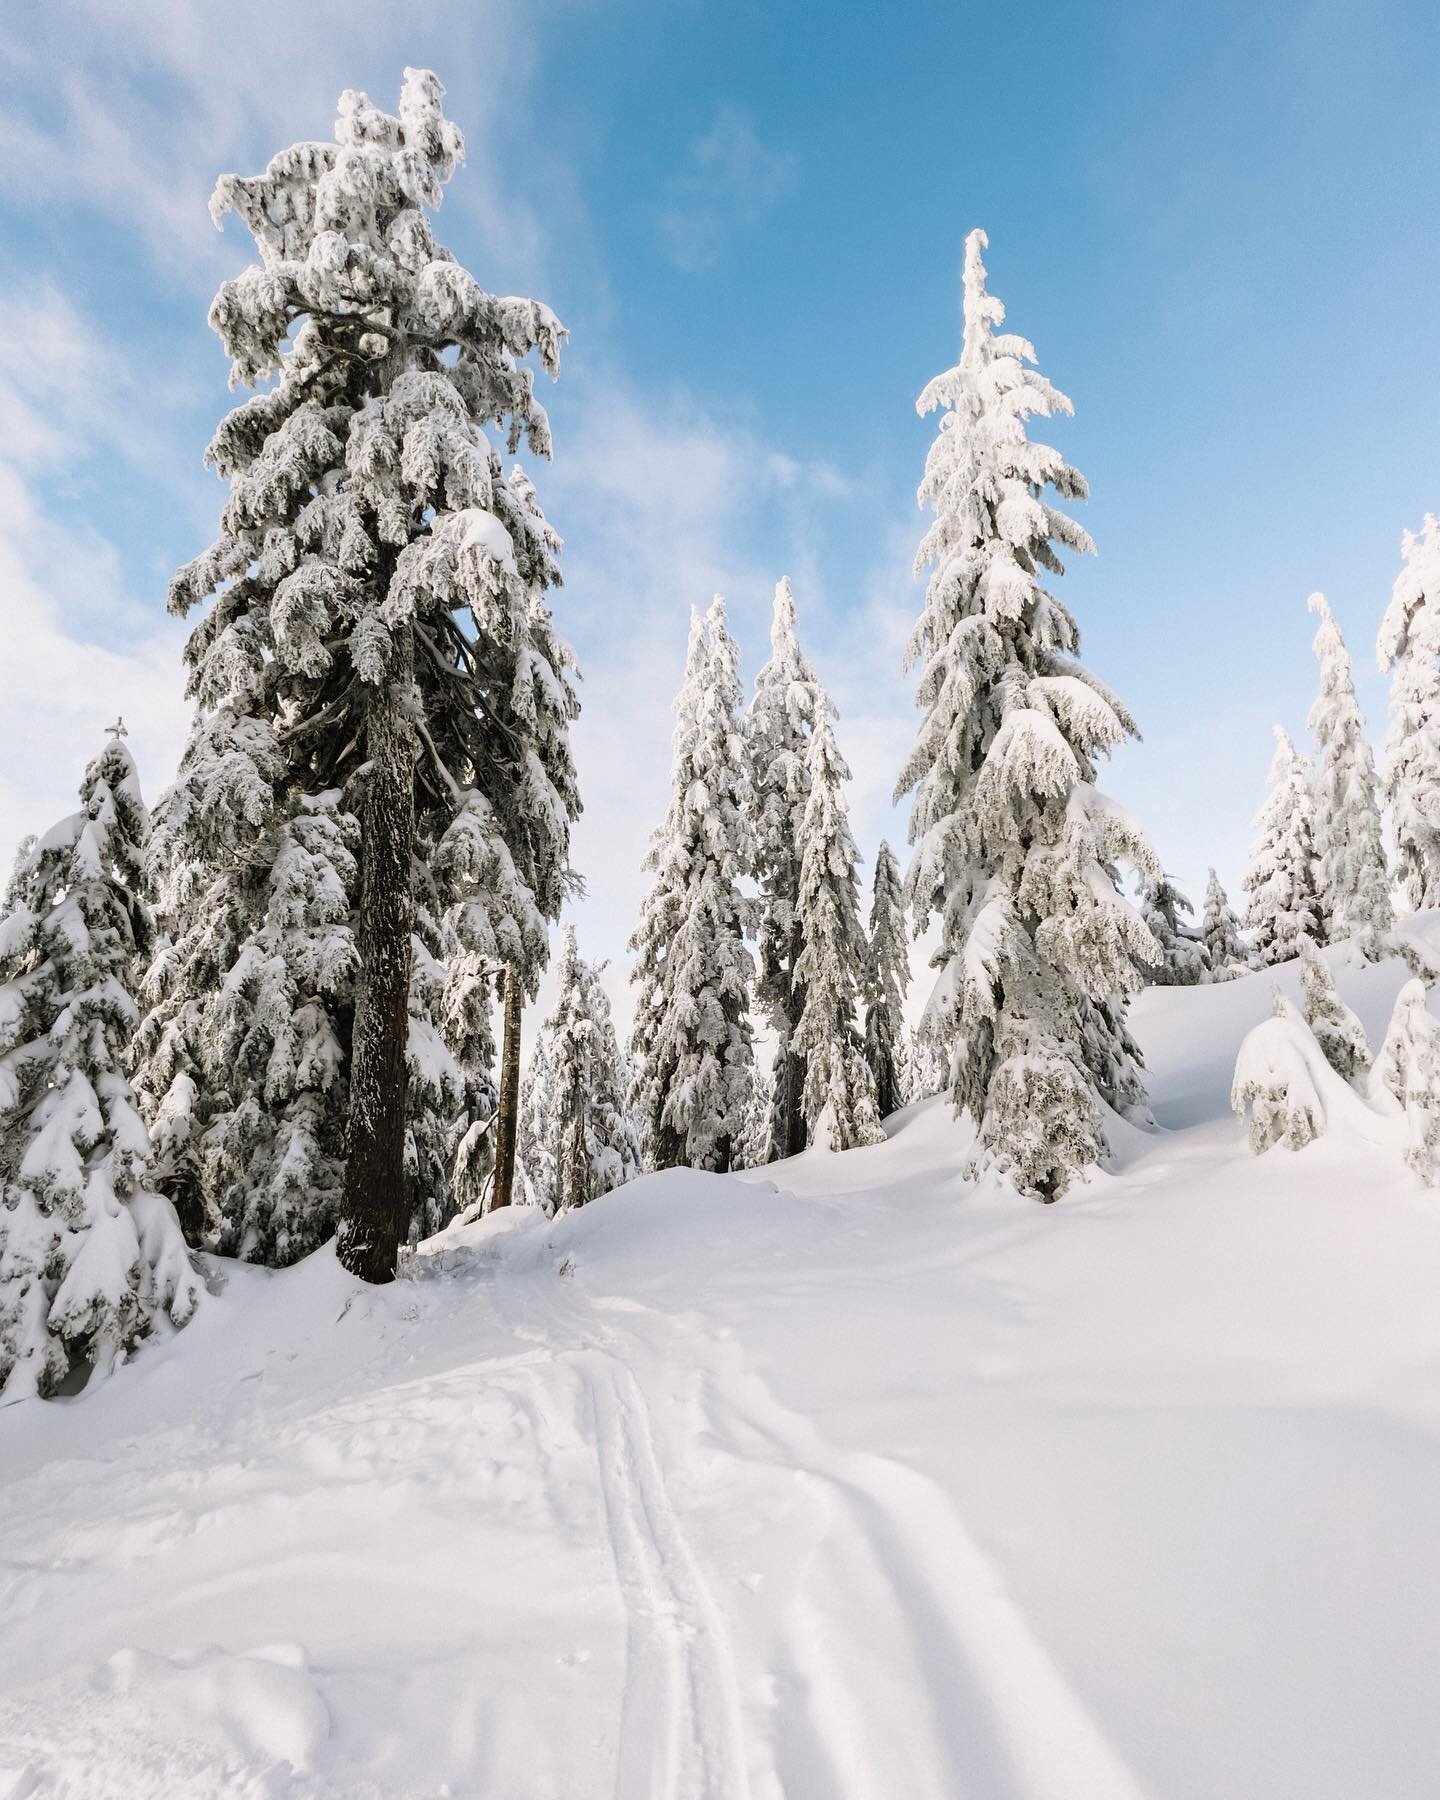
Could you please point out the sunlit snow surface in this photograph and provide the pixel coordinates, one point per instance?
(843, 1478)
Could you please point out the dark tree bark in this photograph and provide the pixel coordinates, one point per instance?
(794, 1072)
(508, 1117)
(375, 1209)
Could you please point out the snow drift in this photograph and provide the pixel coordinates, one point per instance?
(841, 1478)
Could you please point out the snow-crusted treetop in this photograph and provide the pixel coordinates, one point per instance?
(1281, 876)
(1409, 644)
(1352, 877)
(365, 499)
(1007, 706)
(787, 697)
(1411, 625)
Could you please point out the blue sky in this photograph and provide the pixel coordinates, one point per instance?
(1212, 222)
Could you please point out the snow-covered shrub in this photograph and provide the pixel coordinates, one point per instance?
(1278, 1080)
(91, 1257)
(1337, 1031)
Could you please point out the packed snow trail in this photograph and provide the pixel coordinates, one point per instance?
(840, 1481)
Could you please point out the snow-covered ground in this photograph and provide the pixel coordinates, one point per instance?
(840, 1479)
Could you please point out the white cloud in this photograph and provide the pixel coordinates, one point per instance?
(728, 183)
(69, 406)
(134, 110)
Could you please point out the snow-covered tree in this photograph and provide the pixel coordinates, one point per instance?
(753, 1149)
(887, 977)
(1407, 1072)
(1409, 648)
(576, 1125)
(1220, 934)
(1014, 845)
(1183, 960)
(1351, 874)
(830, 970)
(692, 1035)
(782, 715)
(1337, 1031)
(928, 1064)
(377, 628)
(1279, 1078)
(1284, 905)
(91, 1257)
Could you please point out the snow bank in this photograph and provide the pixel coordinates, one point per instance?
(842, 1478)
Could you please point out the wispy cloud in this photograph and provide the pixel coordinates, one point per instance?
(80, 645)
(730, 180)
(133, 111)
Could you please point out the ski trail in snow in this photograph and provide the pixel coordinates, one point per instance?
(680, 1727)
(948, 1680)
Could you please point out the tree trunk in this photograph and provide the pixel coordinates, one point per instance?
(794, 1074)
(375, 1210)
(509, 1113)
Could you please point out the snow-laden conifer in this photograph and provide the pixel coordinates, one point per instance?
(1279, 1077)
(830, 970)
(1014, 844)
(753, 1149)
(1406, 1077)
(692, 1034)
(378, 627)
(1337, 1030)
(1409, 648)
(1183, 960)
(91, 1257)
(782, 715)
(576, 1125)
(1220, 934)
(928, 1066)
(887, 978)
(1284, 905)
(1352, 878)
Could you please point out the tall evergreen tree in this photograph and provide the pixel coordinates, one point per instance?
(1183, 959)
(1015, 846)
(1352, 878)
(578, 1131)
(1284, 905)
(839, 1096)
(91, 1257)
(1409, 650)
(1220, 934)
(782, 716)
(887, 978)
(692, 1037)
(378, 630)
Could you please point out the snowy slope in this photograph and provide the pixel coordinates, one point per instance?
(843, 1478)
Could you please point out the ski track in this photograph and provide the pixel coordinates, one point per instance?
(681, 1735)
(947, 1693)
